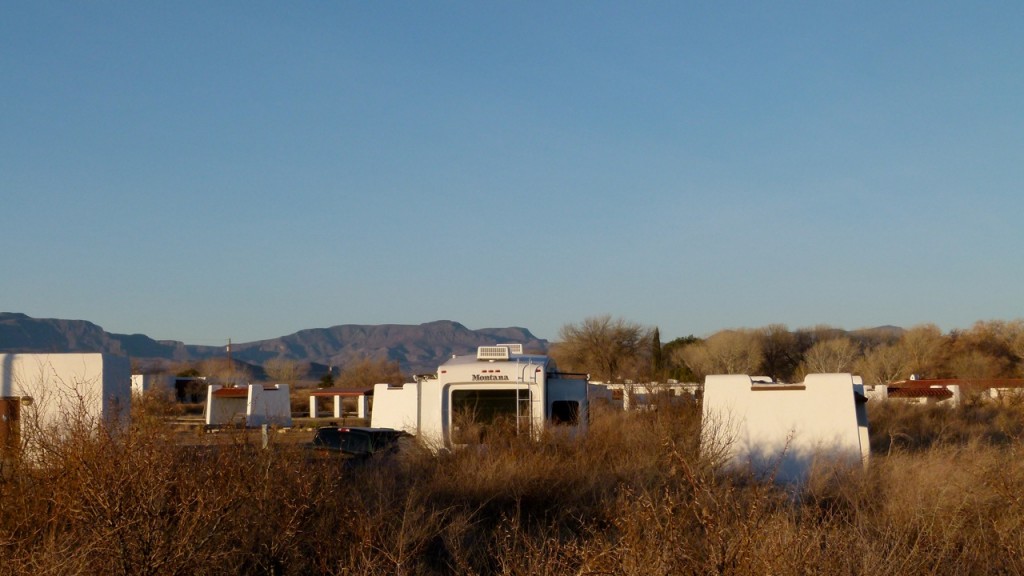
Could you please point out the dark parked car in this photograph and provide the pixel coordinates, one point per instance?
(357, 442)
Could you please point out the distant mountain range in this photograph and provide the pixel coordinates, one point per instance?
(417, 348)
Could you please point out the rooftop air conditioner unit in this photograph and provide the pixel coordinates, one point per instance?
(492, 353)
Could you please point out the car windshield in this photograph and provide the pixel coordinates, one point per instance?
(329, 437)
(355, 443)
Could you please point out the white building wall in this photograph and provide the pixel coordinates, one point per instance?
(395, 407)
(876, 391)
(57, 389)
(434, 413)
(641, 396)
(140, 383)
(784, 429)
(261, 405)
(223, 411)
(957, 398)
(143, 383)
(269, 405)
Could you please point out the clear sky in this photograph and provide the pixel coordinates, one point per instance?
(208, 170)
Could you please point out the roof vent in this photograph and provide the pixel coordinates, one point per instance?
(492, 353)
(513, 348)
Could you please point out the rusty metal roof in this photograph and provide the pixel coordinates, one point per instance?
(919, 392)
(982, 382)
(237, 391)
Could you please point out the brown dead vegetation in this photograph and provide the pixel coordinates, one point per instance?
(632, 497)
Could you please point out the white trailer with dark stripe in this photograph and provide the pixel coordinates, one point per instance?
(499, 389)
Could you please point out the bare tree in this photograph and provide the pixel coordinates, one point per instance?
(988, 350)
(223, 371)
(870, 338)
(780, 350)
(725, 352)
(1016, 333)
(364, 372)
(603, 346)
(820, 332)
(883, 364)
(285, 370)
(1017, 343)
(975, 365)
(832, 355)
(924, 347)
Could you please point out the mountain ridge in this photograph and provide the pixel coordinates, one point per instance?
(416, 347)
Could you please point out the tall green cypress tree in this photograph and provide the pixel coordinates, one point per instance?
(657, 361)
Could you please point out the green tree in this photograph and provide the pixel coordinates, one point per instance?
(657, 359)
(327, 380)
(675, 366)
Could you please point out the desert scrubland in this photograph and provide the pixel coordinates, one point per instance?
(944, 494)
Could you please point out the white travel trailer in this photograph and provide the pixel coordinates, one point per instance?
(470, 396)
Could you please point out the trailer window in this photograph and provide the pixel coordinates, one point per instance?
(565, 412)
(477, 414)
(487, 405)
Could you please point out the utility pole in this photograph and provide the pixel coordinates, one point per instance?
(231, 365)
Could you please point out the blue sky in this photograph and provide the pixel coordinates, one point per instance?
(208, 170)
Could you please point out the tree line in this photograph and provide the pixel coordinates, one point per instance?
(618, 350)
(361, 371)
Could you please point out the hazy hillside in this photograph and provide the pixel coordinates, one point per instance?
(417, 348)
(20, 333)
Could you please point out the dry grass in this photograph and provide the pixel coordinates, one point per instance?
(944, 495)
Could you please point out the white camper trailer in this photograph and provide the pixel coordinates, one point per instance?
(471, 395)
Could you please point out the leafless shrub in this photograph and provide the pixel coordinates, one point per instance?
(635, 495)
